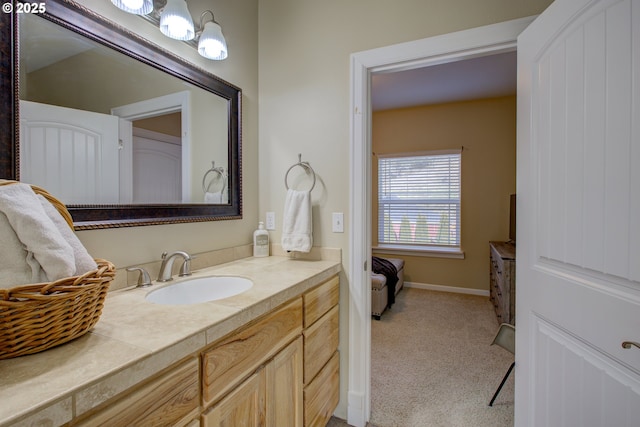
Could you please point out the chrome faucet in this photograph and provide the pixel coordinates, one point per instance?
(164, 275)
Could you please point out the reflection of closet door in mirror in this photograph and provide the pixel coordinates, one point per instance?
(71, 153)
(157, 167)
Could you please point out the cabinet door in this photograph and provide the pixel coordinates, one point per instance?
(236, 356)
(245, 406)
(170, 400)
(284, 387)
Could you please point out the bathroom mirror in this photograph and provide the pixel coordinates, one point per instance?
(157, 93)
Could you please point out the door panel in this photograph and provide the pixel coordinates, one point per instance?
(578, 215)
(157, 168)
(71, 153)
(601, 393)
(587, 204)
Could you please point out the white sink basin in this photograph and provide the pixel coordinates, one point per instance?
(199, 289)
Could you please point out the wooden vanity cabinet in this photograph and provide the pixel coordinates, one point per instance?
(258, 376)
(280, 370)
(321, 358)
(270, 397)
(254, 376)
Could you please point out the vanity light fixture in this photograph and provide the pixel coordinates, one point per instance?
(211, 43)
(139, 7)
(174, 20)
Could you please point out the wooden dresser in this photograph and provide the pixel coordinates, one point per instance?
(502, 289)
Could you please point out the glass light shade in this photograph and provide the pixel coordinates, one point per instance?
(139, 7)
(176, 22)
(212, 44)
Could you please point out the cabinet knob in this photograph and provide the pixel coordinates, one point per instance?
(629, 344)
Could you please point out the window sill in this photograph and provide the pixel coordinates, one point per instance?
(423, 251)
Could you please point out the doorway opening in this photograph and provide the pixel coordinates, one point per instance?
(468, 44)
(173, 111)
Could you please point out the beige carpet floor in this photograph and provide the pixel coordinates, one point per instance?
(432, 364)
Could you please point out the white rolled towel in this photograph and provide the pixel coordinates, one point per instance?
(83, 261)
(37, 233)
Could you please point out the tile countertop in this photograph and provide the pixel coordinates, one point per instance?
(135, 339)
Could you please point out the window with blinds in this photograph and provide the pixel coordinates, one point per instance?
(419, 200)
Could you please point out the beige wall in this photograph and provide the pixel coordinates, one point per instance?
(305, 47)
(135, 245)
(487, 131)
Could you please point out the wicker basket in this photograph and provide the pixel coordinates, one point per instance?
(36, 317)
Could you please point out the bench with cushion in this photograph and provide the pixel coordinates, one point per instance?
(379, 290)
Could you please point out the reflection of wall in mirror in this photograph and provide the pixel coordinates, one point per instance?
(94, 82)
(214, 114)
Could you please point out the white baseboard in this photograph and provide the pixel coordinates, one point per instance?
(356, 415)
(442, 288)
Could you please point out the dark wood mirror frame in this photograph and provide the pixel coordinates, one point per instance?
(72, 16)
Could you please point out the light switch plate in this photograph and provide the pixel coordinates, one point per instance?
(271, 221)
(338, 222)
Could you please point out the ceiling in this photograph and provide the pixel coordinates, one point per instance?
(482, 77)
(43, 43)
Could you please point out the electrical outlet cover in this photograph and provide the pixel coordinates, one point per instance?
(338, 222)
(271, 221)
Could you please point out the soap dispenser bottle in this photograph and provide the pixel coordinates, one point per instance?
(260, 241)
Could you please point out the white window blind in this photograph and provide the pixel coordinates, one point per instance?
(419, 200)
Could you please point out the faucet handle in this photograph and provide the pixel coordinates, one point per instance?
(144, 279)
(185, 270)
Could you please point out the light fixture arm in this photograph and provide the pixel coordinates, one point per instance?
(213, 18)
(200, 29)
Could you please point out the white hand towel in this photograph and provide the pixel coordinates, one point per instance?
(297, 224)
(213, 198)
(83, 261)
(38, 234)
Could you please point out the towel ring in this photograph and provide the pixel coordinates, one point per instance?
(220, 171)
(307, 168)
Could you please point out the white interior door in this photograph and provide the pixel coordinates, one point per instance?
(578, 248)
(157, 167)
(71, 153)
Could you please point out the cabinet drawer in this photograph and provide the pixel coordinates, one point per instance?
(244, 406)
(235, 357)
(322, 395)
(496, 300)
(320, 300)
(173, 399)
(320, 342)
